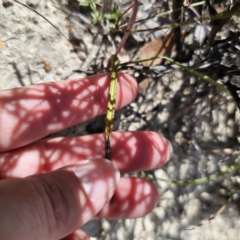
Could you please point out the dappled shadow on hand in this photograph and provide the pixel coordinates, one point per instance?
(30, 113)
(138, 151)
(133, 198)
(131, 151)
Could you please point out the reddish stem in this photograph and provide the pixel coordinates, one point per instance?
(130, 25)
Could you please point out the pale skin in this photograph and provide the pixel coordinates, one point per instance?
(43, 190)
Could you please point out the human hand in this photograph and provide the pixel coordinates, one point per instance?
(48, 188)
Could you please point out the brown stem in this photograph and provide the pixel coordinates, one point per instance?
(176, 17)
(124, 14)
(130, 25)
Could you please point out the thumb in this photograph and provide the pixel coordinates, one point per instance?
(53, 205)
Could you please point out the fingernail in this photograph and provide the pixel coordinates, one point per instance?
(169, 152)
(99, 178)
(170, 147)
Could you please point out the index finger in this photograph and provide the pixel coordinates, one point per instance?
(30, 113)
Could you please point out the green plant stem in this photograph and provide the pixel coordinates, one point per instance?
(190, 70)
(198, 74)
(168, 12)
(187, 22)
(202, 180)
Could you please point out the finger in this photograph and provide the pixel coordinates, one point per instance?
(77, 235)
(53, 205)
(131, 151)
(30, 113)
(133, 198)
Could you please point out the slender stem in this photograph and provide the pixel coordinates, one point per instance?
(130, 25)
(165, 13)
(124, 14)
(26, 6)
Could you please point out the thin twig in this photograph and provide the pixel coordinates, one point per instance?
(26, 6)
(130, 25)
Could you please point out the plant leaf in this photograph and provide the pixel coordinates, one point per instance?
(84, 3)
